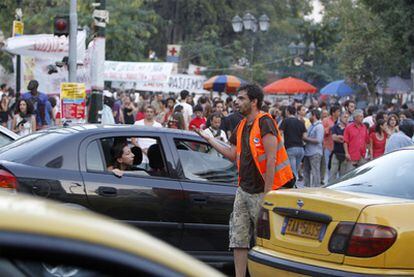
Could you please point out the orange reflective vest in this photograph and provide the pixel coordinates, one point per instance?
(283, 171)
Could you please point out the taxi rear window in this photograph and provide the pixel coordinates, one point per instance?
(390, 175)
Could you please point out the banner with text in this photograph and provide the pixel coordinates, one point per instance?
(146, 76)
(192, 83)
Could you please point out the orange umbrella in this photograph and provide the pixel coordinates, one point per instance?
(289, 86)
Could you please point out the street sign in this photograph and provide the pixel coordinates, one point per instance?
(173, 53)
(18, 28)
(73, 97)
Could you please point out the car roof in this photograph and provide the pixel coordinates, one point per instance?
(25, 214)
(9, 133)
(94, 128)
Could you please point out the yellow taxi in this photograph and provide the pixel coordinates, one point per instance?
(41, 238)
(362, 225)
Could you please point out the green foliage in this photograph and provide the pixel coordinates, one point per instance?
(202, 27)
(398, 19)
(364, 52)
(127, 33)
(129, 28)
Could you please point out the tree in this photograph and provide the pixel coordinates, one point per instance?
(365, 53)
(398, 19)
(127, 33)
(205, 31)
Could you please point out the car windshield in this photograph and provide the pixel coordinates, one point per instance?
(19, 150)
(390, 175)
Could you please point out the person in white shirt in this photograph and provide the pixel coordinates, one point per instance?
(187, 108)
(145, 143)
(214, 130)
(107, 115)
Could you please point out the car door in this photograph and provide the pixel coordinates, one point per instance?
(151, 202)
(209, 186)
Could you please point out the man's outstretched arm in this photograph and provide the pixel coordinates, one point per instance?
(228, 151)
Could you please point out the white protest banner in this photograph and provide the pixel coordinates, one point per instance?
(147, 76)
(37, 69)
(45, 46)
(192, 83)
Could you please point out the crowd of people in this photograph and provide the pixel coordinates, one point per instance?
(323, 141)
(341, 137)
(27, 112)
(217, 117)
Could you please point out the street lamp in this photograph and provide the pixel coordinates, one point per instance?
(2, 38)
(299, 50)
(250, 23)
(237, 23)
(264, 23)
(312, 48)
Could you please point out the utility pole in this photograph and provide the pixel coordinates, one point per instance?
(73, 34)
(95, 106)
(18, 58)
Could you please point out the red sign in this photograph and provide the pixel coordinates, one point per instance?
(73, 111)
(73, 97)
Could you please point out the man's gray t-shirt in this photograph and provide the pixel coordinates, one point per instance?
(316, 130)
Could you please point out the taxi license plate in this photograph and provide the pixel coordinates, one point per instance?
(303, 228)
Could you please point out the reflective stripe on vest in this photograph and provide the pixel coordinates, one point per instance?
(283, 171)
(279, 146)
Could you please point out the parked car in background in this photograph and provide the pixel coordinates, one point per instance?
(359, 226)
(41, 238)
(182, 190)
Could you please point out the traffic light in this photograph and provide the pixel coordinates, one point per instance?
(61, 26)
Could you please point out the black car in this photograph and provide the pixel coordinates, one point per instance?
(182, 190)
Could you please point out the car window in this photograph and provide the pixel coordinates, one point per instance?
(35, 143)
(201, 162)
(390, 175)
(55, 163)
(148, 155)
(94, 160)
(4, 140)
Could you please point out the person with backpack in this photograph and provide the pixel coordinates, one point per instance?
(214, 130)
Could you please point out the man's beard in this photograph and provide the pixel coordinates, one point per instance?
(246, 111)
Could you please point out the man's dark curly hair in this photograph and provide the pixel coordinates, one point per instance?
(253, 92)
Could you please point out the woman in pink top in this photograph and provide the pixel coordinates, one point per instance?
(378, 139)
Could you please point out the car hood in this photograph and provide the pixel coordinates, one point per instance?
(31, 215)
